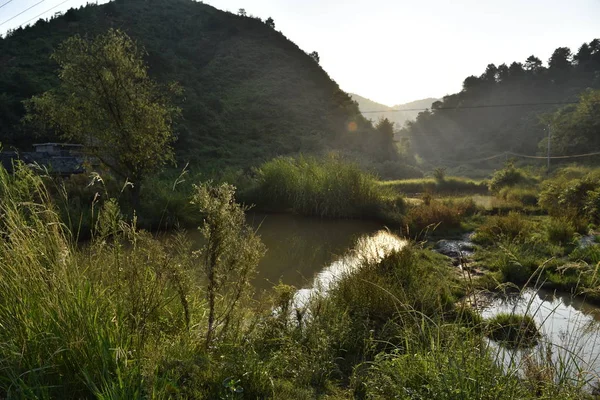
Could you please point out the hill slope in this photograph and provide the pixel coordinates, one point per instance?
(399, 118)
(504, 109)
(250, 93)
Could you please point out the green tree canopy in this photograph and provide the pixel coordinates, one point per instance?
(107, 101)
(576, 128)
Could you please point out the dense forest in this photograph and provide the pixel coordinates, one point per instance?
(248, 92)
(509, 108)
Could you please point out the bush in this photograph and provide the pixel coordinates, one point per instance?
(560, 230)
(507, 177)
(438, 214)
(576, 199)
(523, 195)
(513, 226)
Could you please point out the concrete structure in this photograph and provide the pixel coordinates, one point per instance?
(61, 159)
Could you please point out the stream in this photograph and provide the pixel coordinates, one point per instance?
(312, 254)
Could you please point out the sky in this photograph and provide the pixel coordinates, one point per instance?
(396, 51)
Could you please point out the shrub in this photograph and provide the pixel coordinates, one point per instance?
(576, 199)
(439, 174)
(513, 226)
(507, 177)
(432, 214)
(523, 195)
(560, 230)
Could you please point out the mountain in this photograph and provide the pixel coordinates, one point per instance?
(399, 118)
(249, 93)
(506, 108)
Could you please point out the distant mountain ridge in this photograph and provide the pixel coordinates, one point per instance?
(399, 118)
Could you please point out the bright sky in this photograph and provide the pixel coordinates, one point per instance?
(396, 51)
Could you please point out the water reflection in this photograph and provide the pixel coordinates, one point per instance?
(568, 325)
(368, 249)
(299, 247)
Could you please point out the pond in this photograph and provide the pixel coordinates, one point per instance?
(300, 247)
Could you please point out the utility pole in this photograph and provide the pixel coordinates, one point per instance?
(549, 136)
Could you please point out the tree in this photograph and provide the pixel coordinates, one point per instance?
(560, 59)
(230, 254)
(490, 74)
(242, 12)
(583, 55)
(503, 72)
(576, 128)
(270, 22)
(107, 101)
(516, 69)
(315, 56)
(533, 64)
(470, 82)
(385, 128)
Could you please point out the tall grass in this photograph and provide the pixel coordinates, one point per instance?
(330, 187)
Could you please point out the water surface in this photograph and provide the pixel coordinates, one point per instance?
(569, 327)
(300, 247)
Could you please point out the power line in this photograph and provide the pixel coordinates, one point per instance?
(48, 10)
(507, 153)
(22, 12)
(9, 1)
(554, 157)
(476, 106)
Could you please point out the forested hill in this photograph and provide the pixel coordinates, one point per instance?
(398, 114)
(249, 92)
(468, 125)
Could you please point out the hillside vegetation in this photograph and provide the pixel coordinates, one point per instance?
(249, 93)
(463, 127)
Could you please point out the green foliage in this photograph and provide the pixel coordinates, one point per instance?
(525, 196)
(454, 366)
(439, 174)
(124, 315)
(513, 330)
(86, 317)
(560, 230)
(514, 226)
(330, 187)
(572, 195)
(575, 128)
(508, 176)
(250, 93)
(457, 129)
(229, 257)
(107, 101)
(438, 215)
(450, 185)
